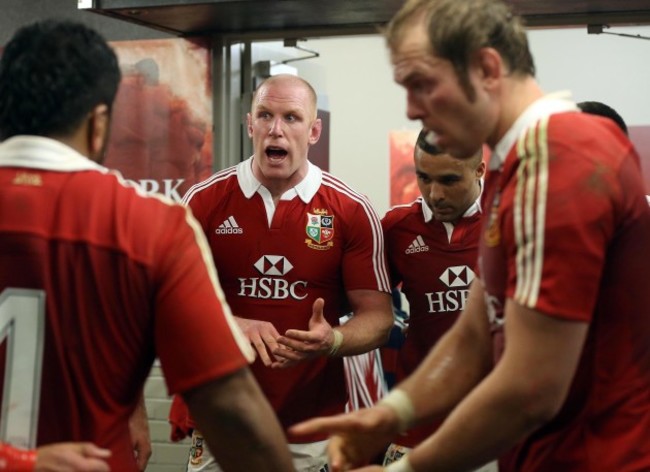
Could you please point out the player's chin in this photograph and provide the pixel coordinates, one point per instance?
(445, 215)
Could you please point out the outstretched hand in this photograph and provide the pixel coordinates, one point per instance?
(297, 345)
(357, 437)
(71, 457)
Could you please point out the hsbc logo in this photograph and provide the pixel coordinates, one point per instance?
(273, 265)
(272, 286)
(457, 276)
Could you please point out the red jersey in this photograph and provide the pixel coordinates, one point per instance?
(433, 261)
(567, 231)
(322, 240)
(96, 279)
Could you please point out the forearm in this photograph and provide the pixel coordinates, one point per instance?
(239, 425)
(457, 363)
(368, 328)
(489, 421)
(140, 436)
(525, 390)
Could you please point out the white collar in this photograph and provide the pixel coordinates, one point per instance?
(37, 152)
(305, 189)
(547, 105)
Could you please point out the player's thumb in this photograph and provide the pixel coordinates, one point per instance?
(317, 316)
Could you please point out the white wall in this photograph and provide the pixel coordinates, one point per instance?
(365, 105)
(603, 67)
(355, 74)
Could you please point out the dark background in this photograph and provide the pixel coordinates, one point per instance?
(16, 13)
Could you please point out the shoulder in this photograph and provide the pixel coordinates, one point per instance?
(402, 214)
(340, 194)
(132, 199)
(217, 182)
(335, 186)
(129, 219)
(574, 135)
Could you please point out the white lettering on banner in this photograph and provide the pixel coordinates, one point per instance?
(169, 187)
(447, 300)
(273, 288)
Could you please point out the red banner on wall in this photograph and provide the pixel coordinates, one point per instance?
(161, 134)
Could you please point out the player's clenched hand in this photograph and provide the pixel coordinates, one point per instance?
(297, 345)
(71, 457)
(140, 436)
(356, 438)
(262, 336)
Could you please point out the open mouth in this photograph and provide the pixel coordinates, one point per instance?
(432, 138)
(275, 152)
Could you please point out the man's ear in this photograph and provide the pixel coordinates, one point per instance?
(480, 170)
(249, 124)
(315, 131)
(490, 65)
(98, 129)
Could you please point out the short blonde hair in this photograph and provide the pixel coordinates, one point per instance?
(299, 81)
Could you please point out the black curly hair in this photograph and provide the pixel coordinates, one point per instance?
(52, 74)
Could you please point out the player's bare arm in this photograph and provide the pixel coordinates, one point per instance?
(459, 361)
(514, 399)
(140, 437)
(233, 410)
(370, 324)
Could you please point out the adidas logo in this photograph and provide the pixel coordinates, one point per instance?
(229, 226)
(417, 245)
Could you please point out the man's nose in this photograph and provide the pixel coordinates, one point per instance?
(414, 109)
(436, 192)
(276, 127)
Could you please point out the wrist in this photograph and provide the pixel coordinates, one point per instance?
(402, 465)
(336, 343)
(399, 401)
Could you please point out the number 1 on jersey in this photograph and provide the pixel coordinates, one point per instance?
(22, 326)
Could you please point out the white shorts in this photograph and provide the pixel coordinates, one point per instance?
(395, 452)
(309, 457)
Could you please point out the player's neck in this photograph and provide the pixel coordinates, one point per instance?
(517, 94)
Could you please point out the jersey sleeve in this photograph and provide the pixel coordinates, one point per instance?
(364, 259)
(197, 338)
(388, 223)
(563, 217)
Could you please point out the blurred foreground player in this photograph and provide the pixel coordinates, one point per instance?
(96, 279)
(547, 366)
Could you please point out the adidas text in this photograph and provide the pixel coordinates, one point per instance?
(229, 231)
(412, 250)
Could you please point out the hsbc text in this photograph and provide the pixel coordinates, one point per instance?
(273, 288)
